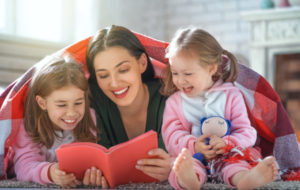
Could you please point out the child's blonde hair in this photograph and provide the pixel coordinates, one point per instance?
(199, 43)
(52, 75)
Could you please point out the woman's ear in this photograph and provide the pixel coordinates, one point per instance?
(41, 102)
(143, 62)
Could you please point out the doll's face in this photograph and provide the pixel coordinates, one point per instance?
(215, 126)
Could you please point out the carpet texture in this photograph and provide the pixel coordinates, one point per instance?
(12, 183)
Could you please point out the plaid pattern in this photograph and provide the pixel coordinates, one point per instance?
(276, 135)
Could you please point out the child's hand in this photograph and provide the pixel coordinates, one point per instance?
(200, 146)
(217, 144)
(94, 177)
(61, 178)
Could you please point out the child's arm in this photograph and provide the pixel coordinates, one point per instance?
(176, 130)
(29, 164)
(241, 132)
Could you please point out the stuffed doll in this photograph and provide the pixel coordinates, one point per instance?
(214, 125)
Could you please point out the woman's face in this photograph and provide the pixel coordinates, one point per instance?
(119, 74)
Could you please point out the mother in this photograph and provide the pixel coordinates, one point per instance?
(125, 96)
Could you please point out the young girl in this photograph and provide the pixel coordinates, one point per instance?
(205, 88)
(56, 112)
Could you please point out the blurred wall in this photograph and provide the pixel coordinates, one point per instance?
(157, 18)
(161, 19)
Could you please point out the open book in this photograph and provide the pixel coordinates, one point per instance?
(117, 163)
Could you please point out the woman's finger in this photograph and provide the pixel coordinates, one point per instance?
(104, 183)
(93, 176)
(86, 177)
(159, 152)
(98, 178)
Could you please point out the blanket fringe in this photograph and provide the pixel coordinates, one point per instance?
(291, 175)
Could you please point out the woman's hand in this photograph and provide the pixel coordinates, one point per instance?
(200, 146)
(217, 144)
(61, 178)
(94, 177)
(158, 167)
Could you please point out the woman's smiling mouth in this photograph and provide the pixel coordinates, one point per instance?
(121, 93)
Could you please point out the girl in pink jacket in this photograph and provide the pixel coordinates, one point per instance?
(205, 88)
(56, 112)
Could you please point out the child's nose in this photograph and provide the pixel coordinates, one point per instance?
(181, 80)
(71, 112)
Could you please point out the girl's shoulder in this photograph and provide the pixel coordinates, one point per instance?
(175, 98)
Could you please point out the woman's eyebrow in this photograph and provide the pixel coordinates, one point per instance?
(118, 65)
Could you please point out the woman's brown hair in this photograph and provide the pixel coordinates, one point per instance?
(117, 36)
(52, 74)
(201, 44)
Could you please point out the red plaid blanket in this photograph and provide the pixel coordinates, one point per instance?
(276, 135)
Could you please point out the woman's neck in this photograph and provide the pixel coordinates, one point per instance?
(139, 105)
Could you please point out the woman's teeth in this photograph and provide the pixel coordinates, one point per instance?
(120, 91)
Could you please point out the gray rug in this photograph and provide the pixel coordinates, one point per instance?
(12, 183)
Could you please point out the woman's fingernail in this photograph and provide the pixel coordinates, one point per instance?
(150, 152)
(139, 162)
(137, 167)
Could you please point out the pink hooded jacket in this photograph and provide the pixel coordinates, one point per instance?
(176, 130)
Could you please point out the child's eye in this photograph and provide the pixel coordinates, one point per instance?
(187, 74)
(174, 73)
(78, 103)
(61, 105)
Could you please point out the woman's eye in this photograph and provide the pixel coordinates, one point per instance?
(102, 76)
(174, 73)
(187, 74)
(124, 70)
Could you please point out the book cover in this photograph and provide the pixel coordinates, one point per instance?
(117, 163)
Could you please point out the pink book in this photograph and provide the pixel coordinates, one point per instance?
(117, 163)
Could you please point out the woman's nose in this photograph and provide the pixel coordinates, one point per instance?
(114, 81)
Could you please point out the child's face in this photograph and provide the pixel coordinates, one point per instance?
(65, 106)
(189, 76)
(119, 74)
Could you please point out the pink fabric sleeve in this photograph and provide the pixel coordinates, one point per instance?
(29, 163)
(241, 133)
(176, 130)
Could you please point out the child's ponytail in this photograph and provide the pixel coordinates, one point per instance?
(229, 67)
